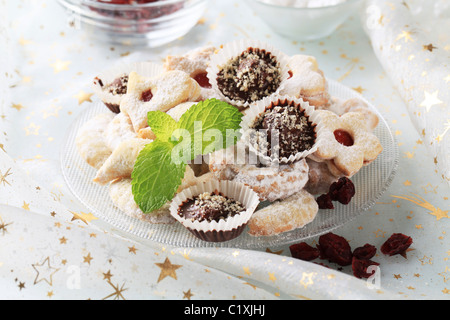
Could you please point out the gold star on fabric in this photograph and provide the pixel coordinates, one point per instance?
(429, 47)
(44, 271)
(3, 177)
(26, 206)
(85, 217)
(132, 250)
(167, 270)
(3, 226)
(405, 35)
(60, 66)
(83, 97)
(107, 276)
(359, 89)
(307, 279)
(18, 107)
(117, 294)
(32, 130)
(431, 100)
(87, 259)
(187, 295)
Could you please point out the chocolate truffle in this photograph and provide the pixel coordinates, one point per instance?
(210, 207)
(249, 77)
(294, 131)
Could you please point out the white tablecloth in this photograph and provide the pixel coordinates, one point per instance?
(53, 248)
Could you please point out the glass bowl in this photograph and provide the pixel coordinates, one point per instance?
(150, 24)
(304, 24)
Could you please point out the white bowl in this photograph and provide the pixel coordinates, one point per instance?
(304, 23)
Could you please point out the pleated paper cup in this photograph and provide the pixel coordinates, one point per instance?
(224, 229)
(146, 69)
(257, 111)
(235, 49)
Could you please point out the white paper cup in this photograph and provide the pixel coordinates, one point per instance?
(235, 49)
(254, 113)
(224, 229)
(146, 69)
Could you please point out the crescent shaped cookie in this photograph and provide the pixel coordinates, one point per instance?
(283, 216)
(90, 140)
(122, 197)
(160, 93)
(307, 81)
(119, 130)
(120, 164)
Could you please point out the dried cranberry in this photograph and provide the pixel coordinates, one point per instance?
(336, 249)
(304, 251)
(343, 190)
(360, 266)
(367, 252)
(325, 202)
(344, 138)
(147, 95)
(397, 244)
(202, 80)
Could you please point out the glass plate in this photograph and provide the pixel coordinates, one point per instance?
(371, 182)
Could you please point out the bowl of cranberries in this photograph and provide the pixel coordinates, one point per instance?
(149, 23)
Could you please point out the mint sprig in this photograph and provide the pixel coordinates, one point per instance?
(208, 126)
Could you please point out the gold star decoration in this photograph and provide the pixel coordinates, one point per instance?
(3, 226)
(83, 97)
(416, 199)
(107, 276)
(167, 270)
(85, 217)
(440, 137)
(18, 107)
(407, 35)
(117, 294)
(359, 89)
(187, 295)
(132, 250)
(26, 206)
(431, 100)
(44, 271)
(87, 259)
(429, 47)
(32, 130)
(3, 177)
(60, 66)
(307, 279)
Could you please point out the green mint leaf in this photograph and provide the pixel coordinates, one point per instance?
(162, 125)
(209, 126)
(156, 178)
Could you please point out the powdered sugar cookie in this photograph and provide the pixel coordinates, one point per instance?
(306, 81)
(195, 63)
(347, 141)
(119, 130)
(341, 107)
(122, 197)
(270, 184)
(120, 164)
(90, 140)
(160, 93)
(283, 216)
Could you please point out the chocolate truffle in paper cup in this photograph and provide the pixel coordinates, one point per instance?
(244, 72)
(282, 130)
(112, 85)
(215, 211)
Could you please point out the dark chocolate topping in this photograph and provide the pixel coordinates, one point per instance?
(253, 75)
(293, 130)
(210, 207)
